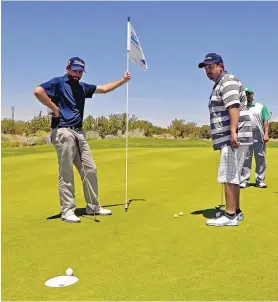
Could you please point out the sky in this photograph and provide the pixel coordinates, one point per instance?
(38, 38)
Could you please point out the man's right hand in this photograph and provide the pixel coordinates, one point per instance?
(234, 140)
(56, 112)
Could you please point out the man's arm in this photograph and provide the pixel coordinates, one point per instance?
(230, 96)
(265, 118)
(234, 117)
(105, 88)
(45, 100)
(42, 93)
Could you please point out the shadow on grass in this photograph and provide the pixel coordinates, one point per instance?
(81, 212)
(207, 213)
(122, 204)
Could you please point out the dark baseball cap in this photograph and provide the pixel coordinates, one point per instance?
(76, 63)
(210, 58)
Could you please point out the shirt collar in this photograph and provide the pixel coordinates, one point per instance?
(66, 77)
(219, 78)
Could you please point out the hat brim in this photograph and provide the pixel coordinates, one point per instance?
(76, 67)
(203, 64)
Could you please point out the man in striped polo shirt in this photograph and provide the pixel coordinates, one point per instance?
(259, 118)
(231, 133)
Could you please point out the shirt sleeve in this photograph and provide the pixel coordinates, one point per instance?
(51, 87)
(89, 90)
(229, 91)
(265, 114)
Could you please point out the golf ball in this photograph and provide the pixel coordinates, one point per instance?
(181, 214)
(69, 272)
(176, 215)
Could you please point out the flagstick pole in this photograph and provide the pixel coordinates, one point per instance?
(127, 120)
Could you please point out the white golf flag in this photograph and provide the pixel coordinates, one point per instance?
(136, 54)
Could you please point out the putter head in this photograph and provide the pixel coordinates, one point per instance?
(126, 209)
(220, 206)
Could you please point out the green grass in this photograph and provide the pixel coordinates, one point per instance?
(144, 254)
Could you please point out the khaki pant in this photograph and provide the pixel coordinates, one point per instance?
(65, 142)
(259, 150)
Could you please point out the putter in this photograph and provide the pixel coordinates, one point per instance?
(85, 176)
(221, 206)
(222, 191)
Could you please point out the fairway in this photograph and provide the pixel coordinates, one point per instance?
(146, 253)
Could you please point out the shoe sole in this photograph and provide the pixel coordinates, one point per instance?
(97, 214)
(70, 221)
(224, 224)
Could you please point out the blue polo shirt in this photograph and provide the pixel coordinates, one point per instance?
(70, 99)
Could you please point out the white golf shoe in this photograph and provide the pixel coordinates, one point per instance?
(223, 220)
(101, 211)
(71, 218)
(221, 212)
(244, 185)
(261, 185)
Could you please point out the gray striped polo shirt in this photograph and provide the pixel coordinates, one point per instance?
(226, 92)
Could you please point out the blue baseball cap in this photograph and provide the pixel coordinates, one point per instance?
(210, 58)
(76, 63)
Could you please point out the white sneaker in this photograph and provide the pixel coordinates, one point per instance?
(240, 216)
(221, 212)
(261, 185)
(71, 218)
(222, 221)
(101, 211)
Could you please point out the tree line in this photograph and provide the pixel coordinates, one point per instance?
(116, 123)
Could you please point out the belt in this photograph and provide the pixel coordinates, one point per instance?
(71, 127)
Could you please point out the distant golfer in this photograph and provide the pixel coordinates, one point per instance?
(231, 134)
(65, 96)
(260, 118)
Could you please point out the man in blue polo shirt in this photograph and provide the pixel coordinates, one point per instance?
(65, 97)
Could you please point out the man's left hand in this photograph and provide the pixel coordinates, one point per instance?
(266, 138)
(127, 76)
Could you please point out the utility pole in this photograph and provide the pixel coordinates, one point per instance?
(13, 122)
(12, 113)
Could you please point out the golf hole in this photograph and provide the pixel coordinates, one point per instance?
(61, 281)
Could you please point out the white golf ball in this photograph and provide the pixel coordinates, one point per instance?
(176, 215)
(69, 272)
(181, 214)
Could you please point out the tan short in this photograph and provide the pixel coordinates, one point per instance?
(231, 164)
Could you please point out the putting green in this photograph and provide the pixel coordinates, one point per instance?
(146, 253)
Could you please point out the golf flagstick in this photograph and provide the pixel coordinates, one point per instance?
(127, 119)
(135, 55)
